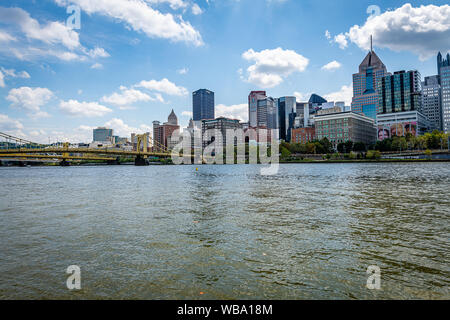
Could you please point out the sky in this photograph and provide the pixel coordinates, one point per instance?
(68, 66)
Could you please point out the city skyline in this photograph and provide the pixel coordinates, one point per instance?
(61, 83)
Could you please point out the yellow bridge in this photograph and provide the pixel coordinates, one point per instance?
(65, 153)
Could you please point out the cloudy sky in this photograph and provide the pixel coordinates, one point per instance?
(125, 63)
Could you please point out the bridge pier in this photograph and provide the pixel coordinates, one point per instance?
(114, 162)
(64, 163)
(140, 161)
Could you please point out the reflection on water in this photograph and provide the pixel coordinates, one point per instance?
(170, 232)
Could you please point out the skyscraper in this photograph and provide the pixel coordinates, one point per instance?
(203, 104)
(365, 95)
(253, 99)
(400, 92)
(431, 101)
(286, 116)
(444, 74)
(102, 134)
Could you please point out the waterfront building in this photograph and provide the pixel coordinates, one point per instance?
(221, 124)
(253, 100)
(286, 107)
(365, 85)
(162, 133)
(401, 123)
(400, 104)
(345, 126)
(444, 73)
(303, 135)
(431, 101)
(103, 135)
(203, 104)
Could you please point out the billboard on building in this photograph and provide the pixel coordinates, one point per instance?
(399, 129)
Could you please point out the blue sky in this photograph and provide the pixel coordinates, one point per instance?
(131, 62)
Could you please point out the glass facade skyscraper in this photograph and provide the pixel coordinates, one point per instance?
(287, 107)
(431, 101)
(203, 105)
(365, 85)
(444, 74)
(102, 134)
(400, 92)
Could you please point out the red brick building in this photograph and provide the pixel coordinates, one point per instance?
(303, 135)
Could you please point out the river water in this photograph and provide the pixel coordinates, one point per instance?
(226, 232)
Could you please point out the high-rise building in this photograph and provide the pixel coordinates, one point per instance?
(267, 115)
(220, 126)
(203, 104)
(365, 96)
(287, 108)
(441, 63)
(102, 134)
(444, 74)
(431, 101)
(162, 133)
(401, 110)
(400, 92)
(253, 99)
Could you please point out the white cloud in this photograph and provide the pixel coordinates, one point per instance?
(163, 86)
(341, 40)
(97, 66)
(9, 125)
(83, 109)
(126, 97)
(97, 53)
(124, 130)
(237, 111)
(328, 35)
(183, 71)
(302, 97)
(333, 65)
(188, 114)
(53, 39)
(196, 10)
(5, 37)
(52, 33)
(423, 30)
(174, 4)
(345, 94)
(272, 66)
(140, 16)
(2, 81)
(30, 100)
(12, 73)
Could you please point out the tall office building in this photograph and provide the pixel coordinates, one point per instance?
(253, 99)
(431, 101)
(365, 96)
(267, 115)
(203, 104)
(162, 133)
(444, 74)
(400, 104)
(400, 92)
(102, 134)
(287, 108)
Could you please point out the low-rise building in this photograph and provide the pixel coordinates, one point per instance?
(221, 124)
(401, 123)
(303, 135)
(345, 126)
